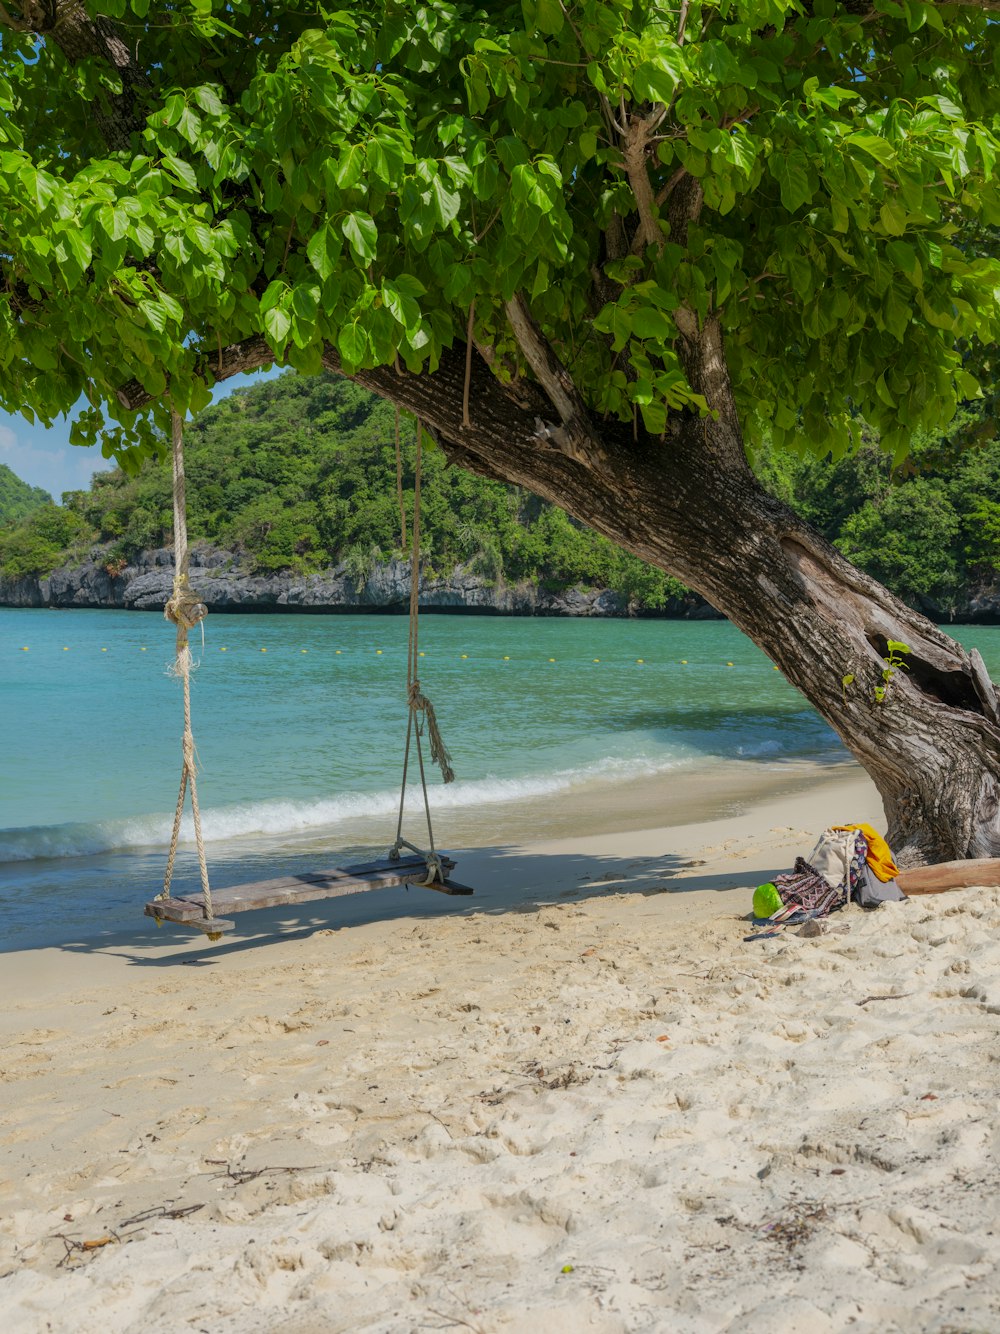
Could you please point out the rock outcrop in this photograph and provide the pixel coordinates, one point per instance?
(224, 585)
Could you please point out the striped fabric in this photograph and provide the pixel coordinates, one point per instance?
(804, 891)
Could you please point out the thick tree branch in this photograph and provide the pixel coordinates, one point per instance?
(222, 364)
(575, 437)
(635, 144)
(7, 20)
(67, 25)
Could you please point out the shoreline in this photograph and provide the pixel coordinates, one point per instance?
(580, 1100)
(670, 800)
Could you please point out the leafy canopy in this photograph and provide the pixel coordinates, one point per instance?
(358, 178)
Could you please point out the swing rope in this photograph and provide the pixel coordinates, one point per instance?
(420, 709)
(186, 611)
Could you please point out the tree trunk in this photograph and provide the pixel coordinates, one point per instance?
(690, 505)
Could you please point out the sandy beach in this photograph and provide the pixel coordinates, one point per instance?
(579, 1101)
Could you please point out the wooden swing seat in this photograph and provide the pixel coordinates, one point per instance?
(288, 891)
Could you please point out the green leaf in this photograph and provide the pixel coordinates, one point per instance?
(904, 257)
(350, 166)
(615, 320)
(893, 217)
(526, 189)
(305, 303)
(882, 389)
(73, 254)
(189, 125)
(174, 309)
(880, 149)
(545, 15)
(362, 236)
(446, 202)
(274, 293)
(114, 222)
(793, 173)
(648, 322)
(897, 315)
(323, 250)
(277, 323)
(155, 314)
(184, 173)
(352, 343)
(176, 244)
(403, 307)
(201, 238)
(208, 99)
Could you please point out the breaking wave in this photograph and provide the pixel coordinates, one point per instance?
(287, 817)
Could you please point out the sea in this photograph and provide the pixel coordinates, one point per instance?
(300, 723)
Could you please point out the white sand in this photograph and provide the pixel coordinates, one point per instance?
(568, 1104)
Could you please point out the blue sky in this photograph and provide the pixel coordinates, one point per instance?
(44, 457)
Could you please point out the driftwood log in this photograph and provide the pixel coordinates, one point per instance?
(950, 875)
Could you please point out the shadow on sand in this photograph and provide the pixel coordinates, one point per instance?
(506, 880)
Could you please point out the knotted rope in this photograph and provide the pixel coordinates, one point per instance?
(186, 611)
(420, 709)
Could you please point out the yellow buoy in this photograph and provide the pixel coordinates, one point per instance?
(506, 658)
(65, 648)
(551, 659)
(378, 653)
(597, 660)
(263, 650)
(777, 669)
(684, 662)
(103, 650)
(303, 650)
(729, 664)
(142, 648)
(223, 649)
(423, 654)
(24, 648)
(465, 655)
(640, 659)
(336, 650)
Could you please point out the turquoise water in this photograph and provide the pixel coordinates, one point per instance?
(300, 722)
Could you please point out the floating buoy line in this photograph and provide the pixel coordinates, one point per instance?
(460, 657)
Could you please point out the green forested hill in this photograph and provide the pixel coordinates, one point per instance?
(300, 473)
(17, 498)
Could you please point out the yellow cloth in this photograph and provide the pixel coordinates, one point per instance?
(879, 856)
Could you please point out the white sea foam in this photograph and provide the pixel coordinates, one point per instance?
(276, 819)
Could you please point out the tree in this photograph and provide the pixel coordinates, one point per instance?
(594, 244)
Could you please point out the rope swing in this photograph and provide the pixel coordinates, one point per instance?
(420, 709)
(430, 869)
(186, 611)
